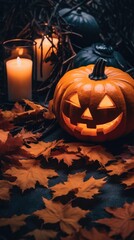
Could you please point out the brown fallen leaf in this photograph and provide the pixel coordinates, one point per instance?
(73, 147)
(67, 158)
(67, 216)
(42, 234)
(5, 188)
(92, 234)
(96, 153)
(29, 174)
(28, 136)
(33, 105)
(42, 148)
(122, 222)
(15, 222)
(10, 144)
(75, 182)
(18, 108)
(5, 120)
(120, 166)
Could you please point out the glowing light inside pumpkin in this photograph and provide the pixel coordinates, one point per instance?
(74, 100)
(106, 102)
(87, 115)
(100, 128)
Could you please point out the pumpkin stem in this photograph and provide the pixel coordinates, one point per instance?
(99, 70)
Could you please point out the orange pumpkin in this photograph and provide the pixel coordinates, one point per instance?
(95, 102)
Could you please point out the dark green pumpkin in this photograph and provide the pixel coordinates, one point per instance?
(89, 55)
(83, 24)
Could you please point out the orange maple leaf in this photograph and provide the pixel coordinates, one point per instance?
(5, 187)
(33, 105)
(8, 143)
(120, 166)
(42, 148)
(122, 222)
(15, 222)
(92, 234)
(81, 188)
(73, 147)
(67, 216)
(93, 153)
(29, 136)
(42, 234)
(5, 120)
(67, 158)
(29, 174)
(18, 108)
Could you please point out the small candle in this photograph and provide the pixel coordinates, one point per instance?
(43, 72)
(19, 78)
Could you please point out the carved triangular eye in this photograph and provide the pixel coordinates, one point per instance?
(75, 100)
(106, 102)
(87, 115)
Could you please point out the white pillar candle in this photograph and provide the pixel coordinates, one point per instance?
(19, 78)
(46, 51)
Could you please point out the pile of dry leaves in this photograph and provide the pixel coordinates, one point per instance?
(27, 162)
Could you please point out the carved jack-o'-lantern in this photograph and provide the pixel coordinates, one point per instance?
(95, 102)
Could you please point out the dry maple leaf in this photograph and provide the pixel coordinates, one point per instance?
(29, 174)
(94, 153)
(122, 222)
(42, 234)
(18, 108)
(33, 105)
(35, 112)
(81, 188)
(120, 166)
(92, 234)
(15, 222)
(67, 158)
(5, 187)
(76, 146)
(5, 119)
(42, 148)
(72, 147)
(67, 216)
(28, 136)
(10, 144)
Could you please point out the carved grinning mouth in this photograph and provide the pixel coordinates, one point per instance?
(100, 128)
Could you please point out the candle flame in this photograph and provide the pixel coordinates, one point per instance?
(18, 61)
(20, 51)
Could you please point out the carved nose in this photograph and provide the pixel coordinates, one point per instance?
(87, 115)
